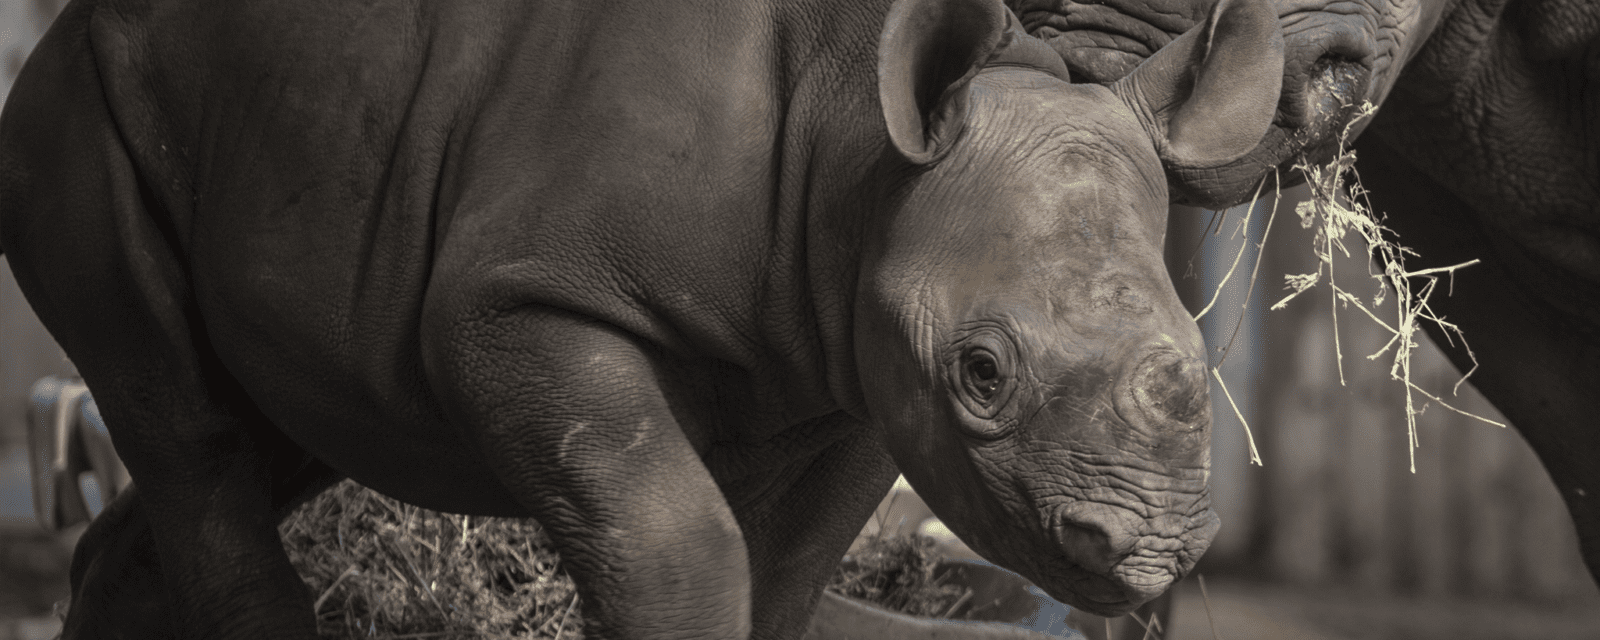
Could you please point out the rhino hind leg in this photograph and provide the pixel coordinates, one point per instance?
(118, 586)
(98, 260)
(117, 583)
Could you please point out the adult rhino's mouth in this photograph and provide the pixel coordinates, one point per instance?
(1328, 67)
(1329, 57)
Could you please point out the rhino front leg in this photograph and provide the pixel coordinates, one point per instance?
(800, 518)
(569, 416)
(797, 536)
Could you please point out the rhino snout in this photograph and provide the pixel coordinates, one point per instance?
(1130, 560)
(1328, 68)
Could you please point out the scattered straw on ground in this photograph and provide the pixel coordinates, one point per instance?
(380, 568)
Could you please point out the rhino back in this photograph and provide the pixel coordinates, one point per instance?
(327, 168)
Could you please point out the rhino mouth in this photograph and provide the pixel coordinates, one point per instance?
(1107, 609)
(1111, 576)
(1328, 66)
(1089, 591)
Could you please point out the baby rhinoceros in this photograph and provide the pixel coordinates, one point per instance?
(688, 282)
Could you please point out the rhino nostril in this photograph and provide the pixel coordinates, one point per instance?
(1085, 542)
(1171, 388)
(1094, 543)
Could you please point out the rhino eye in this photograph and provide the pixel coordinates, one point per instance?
(983, 374)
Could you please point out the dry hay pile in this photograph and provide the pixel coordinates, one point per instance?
(898, 573)
(381, 568)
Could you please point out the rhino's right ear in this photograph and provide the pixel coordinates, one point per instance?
(1208, 97)
(927, 56)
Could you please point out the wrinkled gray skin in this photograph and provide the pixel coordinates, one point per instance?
(1486, 146)
(687, 283)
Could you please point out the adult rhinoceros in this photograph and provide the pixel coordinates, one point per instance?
(686, 281)
(1487, 146)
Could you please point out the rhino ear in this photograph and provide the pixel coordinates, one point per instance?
(927, 56)
(1208, 97)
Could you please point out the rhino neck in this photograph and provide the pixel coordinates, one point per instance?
(831, 159)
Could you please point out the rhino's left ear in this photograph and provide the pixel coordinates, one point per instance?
(1208, 97)
(927, 56)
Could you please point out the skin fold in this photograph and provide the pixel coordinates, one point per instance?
(1485, 147)
(687, 283)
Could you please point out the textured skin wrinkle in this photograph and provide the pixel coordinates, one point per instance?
(1149, 495)
(1123, 32)
(1555, 29)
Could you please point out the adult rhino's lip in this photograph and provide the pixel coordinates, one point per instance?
(1330, 68)
(1328, 64)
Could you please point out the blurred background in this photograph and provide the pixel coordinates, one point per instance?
(1331, 537)
(33, 563)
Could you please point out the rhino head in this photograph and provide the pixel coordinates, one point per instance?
(1038, 380)
(1338, 54)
